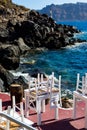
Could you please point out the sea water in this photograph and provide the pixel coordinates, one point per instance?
(66, 62)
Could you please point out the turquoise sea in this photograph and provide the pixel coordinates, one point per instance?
(66, 62)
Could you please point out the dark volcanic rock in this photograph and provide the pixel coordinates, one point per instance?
(22, 46)
(6, 77)
(9, 56)
(4, 33)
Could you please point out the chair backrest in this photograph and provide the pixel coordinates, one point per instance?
(42, 85)
(81, 85)
(55, 94)
(31, 82)
(85, 85)
(38, 86)
(78, 81)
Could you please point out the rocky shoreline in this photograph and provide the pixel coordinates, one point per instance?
(23, 30)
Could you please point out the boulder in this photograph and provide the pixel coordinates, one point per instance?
(10, 56)
(6, 77)
(67, 103)
(22, 46)
(4, 34)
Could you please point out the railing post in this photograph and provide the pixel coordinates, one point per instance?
(8, 122)
(22, 112)
(13, 104)
(0, 108)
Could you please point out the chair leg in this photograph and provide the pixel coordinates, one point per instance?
(26, 105)
(43, 106)
(74, 107)
(39, 112)
(56, 111)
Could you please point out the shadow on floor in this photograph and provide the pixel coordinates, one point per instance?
(65, 124)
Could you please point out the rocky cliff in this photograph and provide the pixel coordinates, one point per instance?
(68, 11)
(22, 30)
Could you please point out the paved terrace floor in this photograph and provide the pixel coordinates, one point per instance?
(65, 121)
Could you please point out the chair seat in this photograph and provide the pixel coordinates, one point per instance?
(55, 90)
(40, 92)
(43, 91)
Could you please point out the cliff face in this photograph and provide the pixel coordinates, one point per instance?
(70, 11)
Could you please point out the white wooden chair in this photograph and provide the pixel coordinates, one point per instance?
(55, 96)
(80, 94)
(16, 108)
(39, 88)
(4, 123)
(35, 96)
(42, 90)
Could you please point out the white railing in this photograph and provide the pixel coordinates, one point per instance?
(28, 127)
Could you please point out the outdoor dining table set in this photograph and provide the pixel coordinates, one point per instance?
(39, 90)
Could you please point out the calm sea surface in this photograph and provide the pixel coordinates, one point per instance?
(66, 62)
